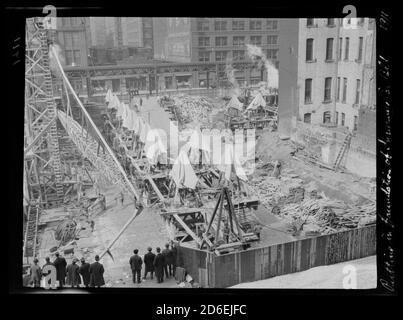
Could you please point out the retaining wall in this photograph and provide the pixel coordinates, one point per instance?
(266, 262)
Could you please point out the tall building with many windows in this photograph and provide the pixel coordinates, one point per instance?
(114, 39)
(216, 39)
(331, 70)
(72, 34)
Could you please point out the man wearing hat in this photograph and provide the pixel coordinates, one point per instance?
(159, 263)
(84, 271)
(97, 273)
(135, 264)
(60, 265)
(73, 277)
(167, 259)
(149, 263)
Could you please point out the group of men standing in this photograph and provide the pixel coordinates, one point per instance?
(160, 263)
(69, 274)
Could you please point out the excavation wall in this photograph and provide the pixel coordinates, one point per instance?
(262, 263)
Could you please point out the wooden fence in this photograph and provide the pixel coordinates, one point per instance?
(262, 263)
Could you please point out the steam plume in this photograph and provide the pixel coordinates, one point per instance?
(257, 55)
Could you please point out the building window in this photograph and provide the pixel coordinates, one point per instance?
(68, 40)
(255, 25)
(204, 56)
(204, 41)
(309, 22)
(272, 39)
(76, 39)
(203, 25)
(340, 49)
(338, 89)
(328, 89)
(238, 41)
(307, 118)
(308, 91)
(360, 46)
(221, 41)
(238, 25)
(69, 57)
(272, 54)
(115, 85)
(337, 118)
(357, 91)
(355, 123)
(220, 25)
(77, 57)
(272, 25)
(256, 40)
(347, 48)
(221, 55)
(238, 55)
(169, 82)
(309, 49)
(326, 117)
(343, 119)
(330, 22)
(329, 49)
(344, 90)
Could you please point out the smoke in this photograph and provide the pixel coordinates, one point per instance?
(230, 72)
(53, 64)
(257, 55)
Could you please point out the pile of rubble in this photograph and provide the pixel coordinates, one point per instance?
(192, 109)
(305, 208)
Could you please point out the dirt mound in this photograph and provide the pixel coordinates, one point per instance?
(271, 147)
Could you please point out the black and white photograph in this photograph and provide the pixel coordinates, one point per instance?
(194, 152)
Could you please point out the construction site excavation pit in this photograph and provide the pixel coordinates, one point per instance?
(211, 178)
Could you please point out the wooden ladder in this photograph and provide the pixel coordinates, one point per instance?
(342, 151)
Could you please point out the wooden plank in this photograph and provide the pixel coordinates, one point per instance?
(273, 260)
(305, 254)
(190, 232)
(258, 264)
(287, 266)
(312, 251)
(320, 252)
(247, 261)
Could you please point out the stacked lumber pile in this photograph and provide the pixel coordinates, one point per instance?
(192, 108)
(302, 205)
(329, 215)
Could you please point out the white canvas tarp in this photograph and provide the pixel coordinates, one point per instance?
(182, 172)
(235, 103)
(258, 101)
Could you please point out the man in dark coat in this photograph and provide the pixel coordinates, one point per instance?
(167, 259)
(60, 265)
(174, 254)
(135, 264)
(84, 270)
(159, 263)
(149, 263)
(97, 273)
(73, 276)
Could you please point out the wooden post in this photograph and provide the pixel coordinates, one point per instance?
(135, 215)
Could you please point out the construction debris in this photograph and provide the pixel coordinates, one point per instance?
(189, 109)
